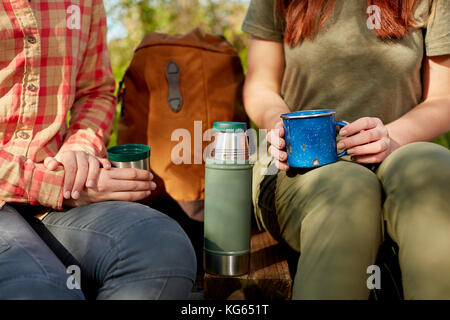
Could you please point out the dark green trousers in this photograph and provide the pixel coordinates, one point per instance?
(333, 216)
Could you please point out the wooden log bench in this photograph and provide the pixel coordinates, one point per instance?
(269, 277)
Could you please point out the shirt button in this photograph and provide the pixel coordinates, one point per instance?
(32, 87)
(31, 39)
(23, 135)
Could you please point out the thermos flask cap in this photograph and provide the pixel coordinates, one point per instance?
(229, 127)
(128, 153)
(231, 142)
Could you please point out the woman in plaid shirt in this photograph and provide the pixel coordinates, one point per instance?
(56, 186)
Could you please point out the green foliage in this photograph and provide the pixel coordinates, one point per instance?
(444, 140)
(139, 17)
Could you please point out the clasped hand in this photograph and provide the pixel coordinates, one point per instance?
(367, 140)
(90, 179)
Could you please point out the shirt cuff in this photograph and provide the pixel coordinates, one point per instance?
(83, 144)
(46, 187)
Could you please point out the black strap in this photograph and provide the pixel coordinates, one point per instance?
(121, 94)
(175, 99)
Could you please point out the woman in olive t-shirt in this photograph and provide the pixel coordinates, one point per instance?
(387, 73)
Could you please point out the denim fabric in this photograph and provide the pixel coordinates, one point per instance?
(124, 251)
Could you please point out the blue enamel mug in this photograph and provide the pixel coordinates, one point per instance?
(311, 138)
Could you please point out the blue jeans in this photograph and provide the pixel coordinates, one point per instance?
(123, 250)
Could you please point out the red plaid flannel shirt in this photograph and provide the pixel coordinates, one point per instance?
(53, 59)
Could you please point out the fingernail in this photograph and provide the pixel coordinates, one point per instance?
(153, 185)
(343, 132)
(75, 195)
(350, 151)
(341, 145)
(90, 183)
(67, 194)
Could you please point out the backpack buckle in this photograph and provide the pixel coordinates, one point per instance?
(175, 99)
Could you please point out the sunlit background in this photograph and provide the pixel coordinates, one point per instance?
(130, 20)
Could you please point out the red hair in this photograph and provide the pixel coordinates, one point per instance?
(304, 18)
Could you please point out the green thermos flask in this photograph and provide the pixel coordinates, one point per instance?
(228, 202)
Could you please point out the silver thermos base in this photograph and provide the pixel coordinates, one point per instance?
(226, 265)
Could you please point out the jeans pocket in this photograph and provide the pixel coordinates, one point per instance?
(4, 245)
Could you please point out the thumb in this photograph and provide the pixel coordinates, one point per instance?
(280, 127)
(51, 163)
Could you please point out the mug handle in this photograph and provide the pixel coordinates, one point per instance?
(341, 124)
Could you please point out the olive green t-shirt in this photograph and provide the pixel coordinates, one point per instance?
(348, 68)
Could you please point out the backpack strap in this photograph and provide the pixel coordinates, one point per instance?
(175, 99)
(121, 94)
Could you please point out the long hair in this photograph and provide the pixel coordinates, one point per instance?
(303, 19)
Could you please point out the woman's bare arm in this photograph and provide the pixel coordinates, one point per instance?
(431, 118)
(262, 99)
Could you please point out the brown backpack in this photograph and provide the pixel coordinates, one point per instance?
(172, 81)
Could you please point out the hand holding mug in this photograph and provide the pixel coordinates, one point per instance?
(277, 146)
(366, 140)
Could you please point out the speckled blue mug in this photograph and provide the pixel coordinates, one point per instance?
(311, 138)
